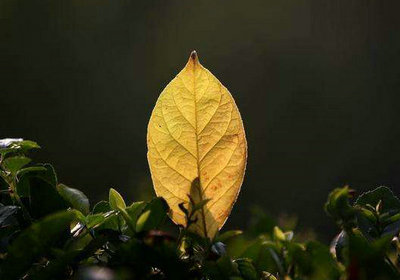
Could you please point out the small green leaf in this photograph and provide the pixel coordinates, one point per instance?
(76, 198)
(13, 164)
(228, 235)
(16, 145)
(115, 199)
(101, 207)
(131, 224)
(111, 219)
(92, 221)
(247, 269)
(339, 208)
(265, 256)
(153, 215)
(27, 145)
(135, 209)
(278, 234)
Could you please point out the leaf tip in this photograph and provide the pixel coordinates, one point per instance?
(194, 58)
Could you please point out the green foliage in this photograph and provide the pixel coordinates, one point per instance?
(35, 242)
(338, 207)
(75, 198)
(48, 231)
(153, 215)
(116, 201)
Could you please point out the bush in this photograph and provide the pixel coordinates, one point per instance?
(49, 231)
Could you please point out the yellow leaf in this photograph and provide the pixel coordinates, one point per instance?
(195, 131)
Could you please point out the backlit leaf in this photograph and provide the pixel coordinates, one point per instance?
(228, 235)
(196, 131)
(115, 199)
(13, 164)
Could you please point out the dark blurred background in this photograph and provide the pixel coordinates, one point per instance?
(317, 83)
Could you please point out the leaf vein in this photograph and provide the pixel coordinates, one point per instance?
(166, 162)
(209, 182)
(176, 140)
(219, 104)
(179, 110)
(219, 140)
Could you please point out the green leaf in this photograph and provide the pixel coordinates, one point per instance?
(228, 235)
(26, 145)
(49, 175)
(94, 220)
(278, 234)
(42, 171)
(389, 200)
(76, 198)
(101, 207)
(379, 212)
(153, 215)
(111, 220)
(16, 146)
(265, 256)
(130, 223)
(115, 199)
(223, 268)
(45, 172)
(367, 258)
(101, 220)
(45, 198)
(247, 269)
(13, 164)
(313, 262)
(339, 208)
(34, 169)
(135, 209)
(34, 242)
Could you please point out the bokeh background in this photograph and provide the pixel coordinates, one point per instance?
(317, 83)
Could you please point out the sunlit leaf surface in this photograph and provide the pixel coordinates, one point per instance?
(196, 131)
